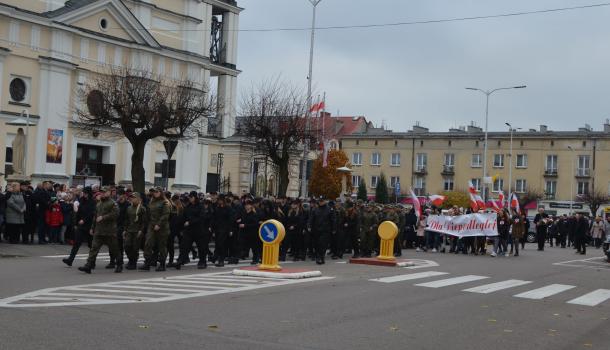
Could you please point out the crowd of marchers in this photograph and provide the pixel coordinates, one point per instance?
(223, 228)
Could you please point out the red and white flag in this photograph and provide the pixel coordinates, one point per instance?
(437, 200)
(471, 187)
(480, 202)
(501, 199)
(325, 154)
(316, 107)
(473, 203)
(514, 203)
(416, 204)
(495, 206)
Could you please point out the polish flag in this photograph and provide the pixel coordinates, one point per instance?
(501, 198)
(480, 202)
(317, 107)
(473, 203)
(495, 206)
(416, 204)
(471, 187)
(514, 203)
(437, 200)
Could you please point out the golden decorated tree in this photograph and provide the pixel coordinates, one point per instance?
(326, 181)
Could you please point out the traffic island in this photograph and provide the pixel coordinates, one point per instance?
(382, 262)
(283, 273)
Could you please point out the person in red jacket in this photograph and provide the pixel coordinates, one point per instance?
(54, 219)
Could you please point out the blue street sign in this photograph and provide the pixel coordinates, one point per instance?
(397, 188)
(269, 232)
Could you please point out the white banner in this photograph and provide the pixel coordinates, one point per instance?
(464, 225)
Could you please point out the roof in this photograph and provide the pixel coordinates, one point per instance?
(336, 127)
(69, 6)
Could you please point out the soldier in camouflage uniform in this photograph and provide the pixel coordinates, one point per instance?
(368, 231)
(134, 227)
(158, 230)
(104, 231)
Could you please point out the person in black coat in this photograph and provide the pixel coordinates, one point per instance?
(321, 223)
(294, 230)
(193, 231)
(83, 219)
(541, 222)
(40, 200)
(249, 230)
(410, 224)
(581, 227)
(223, 224)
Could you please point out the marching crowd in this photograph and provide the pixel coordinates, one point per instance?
(156, 221)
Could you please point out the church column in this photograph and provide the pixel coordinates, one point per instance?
(187, 166)
(227, 93)
(53, 105)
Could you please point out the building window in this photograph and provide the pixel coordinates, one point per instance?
(357, 158)
(18, 89)
(395, 159)
(357, 142)
(582, 188)
(449, 160)
(550, 189)
(521, 186)
(584, 143)
(521, 160)
(449, 143)
(498, 161)
(499, 143)
(421, 161)
(101, 53)
(476, 183)
(550, 166)
(374, 181)
(476, 144)
(421, 143)
(420, 185)
(448, 184)
(394, 180)
(476, 161)
(376, 158)
(498, 185)
(356, 180)
(8, 154)
(35, 38)
(84, 49)
(376, 142)
(103, 24)
(522, 143)
(583, 165)
(552, 143)
(395, 142)
(333, 145)
(13, 33)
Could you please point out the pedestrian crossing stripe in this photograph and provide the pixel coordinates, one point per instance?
(594, 298)
(149, 290)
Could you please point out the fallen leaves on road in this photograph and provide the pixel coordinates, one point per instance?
(587, 345)
(393, 328)
(213, 327)
(143, 326)
(491, 320)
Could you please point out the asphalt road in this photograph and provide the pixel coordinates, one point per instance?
(353, 307)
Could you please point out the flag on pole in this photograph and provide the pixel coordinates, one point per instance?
(495, 206)
(480, 202)
(437, 200)
(514, 203)
(416, 204)
(501, 199)
(316, 107)
(473, 203)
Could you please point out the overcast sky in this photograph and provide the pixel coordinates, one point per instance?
(405, 74)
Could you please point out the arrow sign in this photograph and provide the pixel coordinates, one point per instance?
(269, 232)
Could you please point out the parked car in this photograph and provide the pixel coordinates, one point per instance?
(606, 247)
(531, 233)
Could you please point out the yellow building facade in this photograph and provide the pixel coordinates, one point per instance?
(48, 50)
(559, 164)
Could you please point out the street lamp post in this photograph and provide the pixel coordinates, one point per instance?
(571, 180)
(510, 169)
(487, 94)
(314, 3)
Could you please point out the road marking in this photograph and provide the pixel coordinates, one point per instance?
(494, 287)
(592, 299)
(421, 263)
(451, 281)
(408, 277)
(151, 290)
(545, 292)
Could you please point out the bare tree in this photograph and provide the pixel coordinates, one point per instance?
(272, 113)
(594, 200)
(144, 107)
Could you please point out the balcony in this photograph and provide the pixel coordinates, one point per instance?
(420, 170)
(550, 173)
(448, 170)
(583, 172)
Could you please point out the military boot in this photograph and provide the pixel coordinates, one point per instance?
(111, 265)
(67, 261)
(145, 266)
(118, 269)
(86, 269)
(161, 266)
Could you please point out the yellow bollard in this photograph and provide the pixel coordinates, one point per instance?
(387, 232)
(271, 232)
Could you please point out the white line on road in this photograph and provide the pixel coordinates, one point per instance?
(407, 277)
(451, 281)
(545, 292)
(494, 287)
(592, 299)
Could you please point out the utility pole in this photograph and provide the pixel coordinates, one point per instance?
(314, 3)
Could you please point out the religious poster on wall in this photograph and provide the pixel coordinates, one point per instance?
(55, 141)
